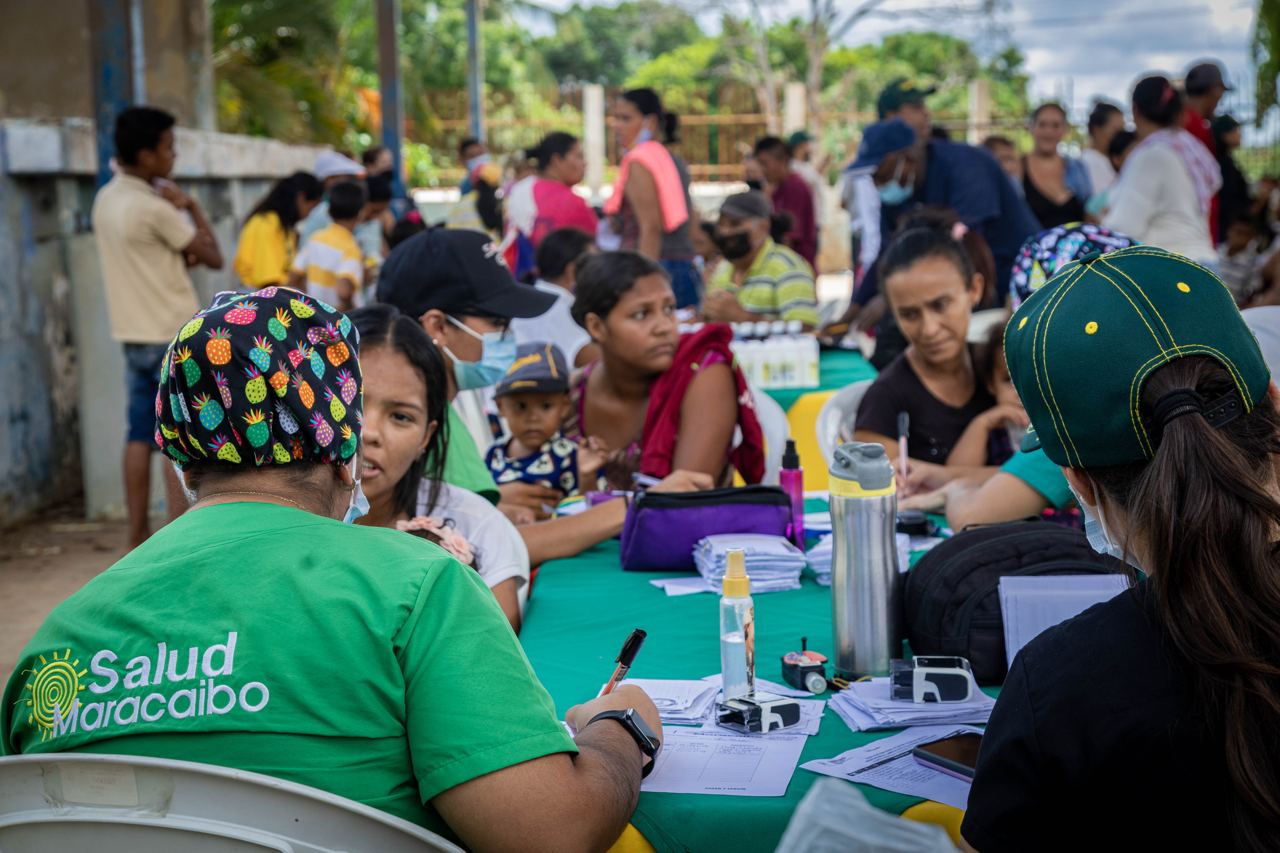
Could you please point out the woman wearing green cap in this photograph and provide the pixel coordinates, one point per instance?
(258, 631)
(1147, 722)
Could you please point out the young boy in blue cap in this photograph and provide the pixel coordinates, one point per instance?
(533, 398)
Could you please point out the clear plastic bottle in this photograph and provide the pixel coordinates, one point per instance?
(737, 629)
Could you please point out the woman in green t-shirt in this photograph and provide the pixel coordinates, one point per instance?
(258, 631)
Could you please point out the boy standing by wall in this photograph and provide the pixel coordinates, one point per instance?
(145, 244)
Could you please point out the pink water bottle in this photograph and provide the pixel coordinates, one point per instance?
(791, 479)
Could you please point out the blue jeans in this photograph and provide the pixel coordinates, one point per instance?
(685, 281)
(142, 383)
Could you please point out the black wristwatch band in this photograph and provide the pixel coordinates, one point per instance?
(640, 732)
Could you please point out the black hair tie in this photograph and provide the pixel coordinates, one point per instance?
(1185, 401)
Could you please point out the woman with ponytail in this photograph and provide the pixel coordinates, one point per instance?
(1168, 182)
(1149, 722)
(650, 211)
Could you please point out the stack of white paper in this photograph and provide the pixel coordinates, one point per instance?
(680, 703)
(1032, 604)
(819, 556)
(773, 563)
(866, 706)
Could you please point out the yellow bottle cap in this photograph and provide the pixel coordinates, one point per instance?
(736, 582)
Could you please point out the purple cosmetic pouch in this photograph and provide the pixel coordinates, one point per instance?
(662, 528)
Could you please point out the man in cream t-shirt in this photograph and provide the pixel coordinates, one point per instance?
(148, 232)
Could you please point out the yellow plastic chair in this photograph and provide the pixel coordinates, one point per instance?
(631, 841)
(947, 817)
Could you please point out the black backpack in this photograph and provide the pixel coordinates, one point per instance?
(952, 600)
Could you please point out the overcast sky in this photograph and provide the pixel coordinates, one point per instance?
(1075, 50)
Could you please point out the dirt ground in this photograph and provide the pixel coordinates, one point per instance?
(41, 563)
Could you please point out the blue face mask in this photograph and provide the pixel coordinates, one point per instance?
(1096, 532)
(478, 160)
(496, 358)
(897, 191)
(645, 135)
(359, 503)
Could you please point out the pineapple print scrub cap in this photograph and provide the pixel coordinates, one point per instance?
(259, 379)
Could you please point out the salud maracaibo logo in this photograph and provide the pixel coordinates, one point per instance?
(166, 684)
(53, 691)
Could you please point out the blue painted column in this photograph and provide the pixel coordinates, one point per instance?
(112, 72)
(475, 68)
(392, 96)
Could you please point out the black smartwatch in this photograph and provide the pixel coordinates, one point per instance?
(639, 731)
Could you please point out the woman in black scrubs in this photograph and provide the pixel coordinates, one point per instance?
(1151, 721)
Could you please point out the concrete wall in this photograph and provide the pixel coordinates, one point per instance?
(47, 66)
(62, 410)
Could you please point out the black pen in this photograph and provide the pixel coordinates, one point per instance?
(629, 650)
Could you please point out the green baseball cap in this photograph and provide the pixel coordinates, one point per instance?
(1080, 349)
(900, 91)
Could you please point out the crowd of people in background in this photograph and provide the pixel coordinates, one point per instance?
(530, 348)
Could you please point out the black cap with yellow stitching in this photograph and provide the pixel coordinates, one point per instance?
(1080, 348)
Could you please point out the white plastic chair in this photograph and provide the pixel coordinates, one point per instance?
(132, 804)
(982, 322)
(773, 421)
(836, 417)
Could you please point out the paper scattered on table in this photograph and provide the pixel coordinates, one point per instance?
(866, 706)
(688, 703)
(888, 764)
(764, 686)
(1032, 604)
(836, 818)
(682, 586)
(718, 761)
(773, 563)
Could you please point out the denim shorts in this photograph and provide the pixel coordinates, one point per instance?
(142, 382)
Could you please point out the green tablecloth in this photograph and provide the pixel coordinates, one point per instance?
(837, 369)
(582, 609)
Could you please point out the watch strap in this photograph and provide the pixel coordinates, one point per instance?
(627, 719)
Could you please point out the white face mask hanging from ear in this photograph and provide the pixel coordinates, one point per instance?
(359, 507)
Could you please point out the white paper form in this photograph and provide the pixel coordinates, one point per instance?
(716, 761)
(1031, 605)
(888, 764)
(678, 702)
(682, 586)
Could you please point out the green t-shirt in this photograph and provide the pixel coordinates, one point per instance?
(1042, 474)
(464, 466)
(358, 660)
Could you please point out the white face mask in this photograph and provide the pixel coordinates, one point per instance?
(359, 507)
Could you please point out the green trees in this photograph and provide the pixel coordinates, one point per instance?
(1266, 54)
(606, 44)
(306, 70)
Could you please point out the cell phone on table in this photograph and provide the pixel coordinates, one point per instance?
(956, 756)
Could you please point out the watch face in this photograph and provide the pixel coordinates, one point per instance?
(643, 727)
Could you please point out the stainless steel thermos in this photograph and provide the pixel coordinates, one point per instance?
(866, 587)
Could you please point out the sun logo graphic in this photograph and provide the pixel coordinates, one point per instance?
(54, 687)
